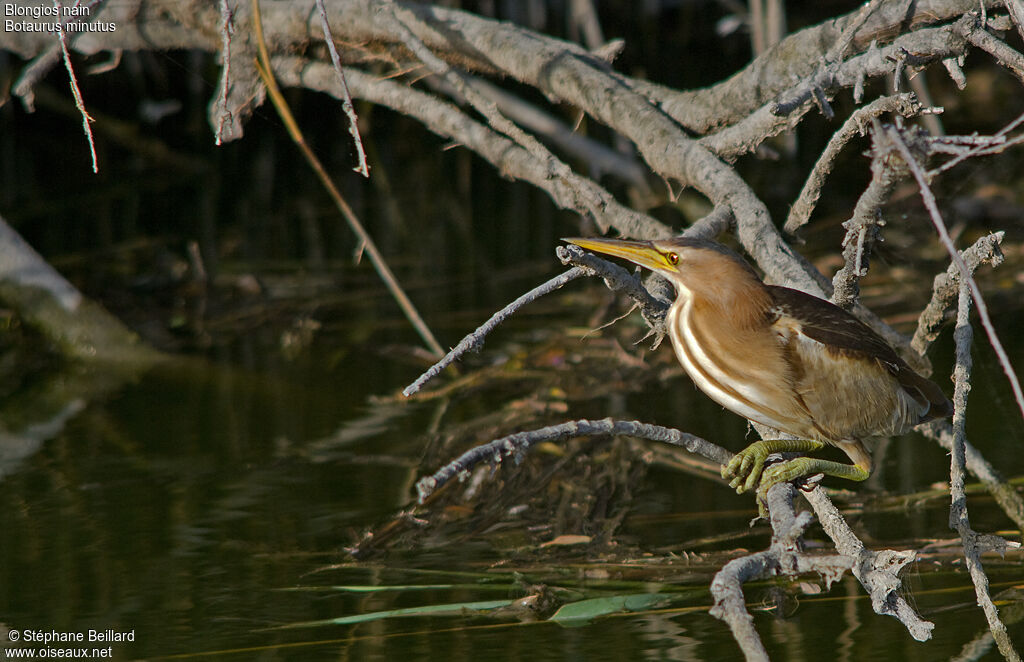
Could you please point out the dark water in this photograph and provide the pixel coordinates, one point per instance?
(208, 503)
(204, 506)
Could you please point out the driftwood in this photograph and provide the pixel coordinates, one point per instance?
(379, 49)
(43, 298)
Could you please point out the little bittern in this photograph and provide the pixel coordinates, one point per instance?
(782, 358)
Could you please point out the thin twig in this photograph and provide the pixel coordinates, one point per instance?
(982, 149)
(975, 32)
(514, 445)
(77, 93)
(863, 228)
(366, 241)
(940, 226)
(618, 280)
(42, 64)
(615, 277)
(985, 250)
(904, 104)
(1016, 11)
(958, 517)
(346, 102)
(227, 28)
(475, 340)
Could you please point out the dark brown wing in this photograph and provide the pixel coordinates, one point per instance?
(831, 325)
(843, 333)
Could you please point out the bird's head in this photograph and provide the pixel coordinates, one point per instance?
(696, 265)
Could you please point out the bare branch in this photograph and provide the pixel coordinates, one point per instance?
(227, 28)
(475, 340)
(857, 124)
(796, 58)
(984, 251)
(878, 572)
(1016, 10)
(965, 273)
(514, 445)
(346, 101)
(863, 228)
(601, 159)
(462, 83)
(577, 192)
(974, 31)
(730, 605)
(958, 518)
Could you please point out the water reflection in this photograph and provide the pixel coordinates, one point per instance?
(185, 503)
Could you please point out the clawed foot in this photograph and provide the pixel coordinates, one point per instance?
(746, 468)
(746, 471)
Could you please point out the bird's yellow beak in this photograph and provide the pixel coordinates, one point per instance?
(642, 253)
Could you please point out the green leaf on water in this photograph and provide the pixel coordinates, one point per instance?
(453, 609)
(580, 613)
(362, 588)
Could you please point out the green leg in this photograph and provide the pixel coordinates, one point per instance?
(746, 467)
(783, 472)
(747, 471)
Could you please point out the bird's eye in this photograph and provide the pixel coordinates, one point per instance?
(673, 258)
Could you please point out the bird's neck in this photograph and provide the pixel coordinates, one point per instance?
(737, 301)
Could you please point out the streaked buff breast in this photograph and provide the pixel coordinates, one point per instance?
(745, 371)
